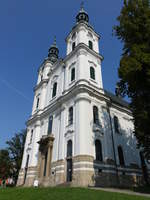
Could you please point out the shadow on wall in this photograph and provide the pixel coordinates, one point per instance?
(115, 174)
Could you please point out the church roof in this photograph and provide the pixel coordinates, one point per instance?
(117, 100)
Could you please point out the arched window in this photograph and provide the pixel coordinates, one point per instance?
(92, 73)
(116, 124)
(90, 45)
(98, 150)
(121, 156)
(37, 103)
(70, 118)
(50, 123)
(73, 46)
(95, 115)
(69, 148)
(72, 74)
(54, 90)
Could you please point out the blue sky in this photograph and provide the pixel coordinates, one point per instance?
(27, 29)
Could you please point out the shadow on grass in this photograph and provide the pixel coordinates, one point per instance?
(142, 189)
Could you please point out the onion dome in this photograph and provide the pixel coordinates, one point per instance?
(53, 52)
(82, 16)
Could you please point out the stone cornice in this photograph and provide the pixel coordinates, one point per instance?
(61, 62)
(85, 47)
(78, 88)
(40, 84)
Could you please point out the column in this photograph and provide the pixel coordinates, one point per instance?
(42, 165)
(48, 161)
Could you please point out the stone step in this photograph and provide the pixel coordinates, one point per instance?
(65, 184)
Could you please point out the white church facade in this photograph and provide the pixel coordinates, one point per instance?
(78, 133)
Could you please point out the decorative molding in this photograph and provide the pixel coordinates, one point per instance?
(82, 52)
(86, 48)
(82, 97)
(86, 26)
(92, 63)
(54, 78)
(78, 88)
(72, 64)
(69, 133)
(44, 81)
(89, 34)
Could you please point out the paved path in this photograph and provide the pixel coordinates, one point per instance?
(121, 191)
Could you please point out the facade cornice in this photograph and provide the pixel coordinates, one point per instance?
(40, 84)
(85, 47)
(80, 46)
(78, 88)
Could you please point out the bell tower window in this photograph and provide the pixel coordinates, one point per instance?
(90, 44)
(37, 103)
(92, 73)
(54, 90)
(73, 46)
(72, 74)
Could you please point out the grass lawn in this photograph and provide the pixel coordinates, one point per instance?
(62, 194)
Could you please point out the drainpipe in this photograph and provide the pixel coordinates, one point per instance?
(113, 143)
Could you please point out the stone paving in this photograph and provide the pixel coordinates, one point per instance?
(123, 191)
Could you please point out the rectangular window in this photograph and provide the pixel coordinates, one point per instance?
(37, 103)
(116, 124)
(54, 90)
(50, 124)
(92, 73)
(70, 121)
(73, 46)
(72, 74)
(90, 45)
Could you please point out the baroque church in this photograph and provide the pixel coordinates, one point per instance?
(78, 133)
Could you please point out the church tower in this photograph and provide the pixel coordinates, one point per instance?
(78, 132)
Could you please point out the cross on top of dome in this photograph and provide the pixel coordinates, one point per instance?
(82, 16)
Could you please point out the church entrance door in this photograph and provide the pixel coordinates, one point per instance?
(69, 170)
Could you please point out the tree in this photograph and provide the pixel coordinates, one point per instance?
(15, 149)
(133, 30)
(5, 164)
